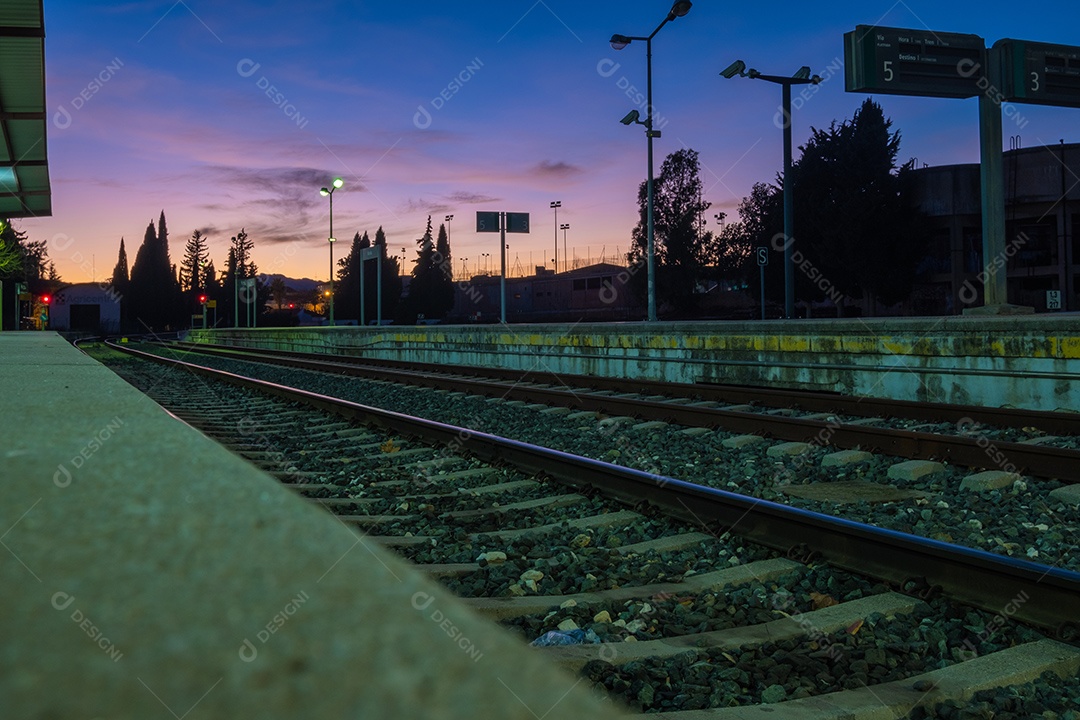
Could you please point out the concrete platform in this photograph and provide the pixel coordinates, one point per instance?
(147, 573)
(1022, 361)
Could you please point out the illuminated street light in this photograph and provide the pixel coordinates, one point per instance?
(618, 42)
(801, 77)
(329, 192)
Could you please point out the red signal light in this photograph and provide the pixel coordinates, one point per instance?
(202, 298)
(291, 306)
(46, 299)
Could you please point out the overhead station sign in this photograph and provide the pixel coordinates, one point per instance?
(899, 61)
(1040, 73)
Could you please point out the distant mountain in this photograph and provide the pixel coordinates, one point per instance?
(299, 285)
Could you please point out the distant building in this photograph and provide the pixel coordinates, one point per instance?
(594, 293)
(1042, 211)
(90, 307)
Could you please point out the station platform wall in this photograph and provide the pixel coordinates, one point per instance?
(1018, 361)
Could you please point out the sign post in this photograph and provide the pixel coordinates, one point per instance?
(372, 253)
(762, 261)
(951, 65)
(502, 223)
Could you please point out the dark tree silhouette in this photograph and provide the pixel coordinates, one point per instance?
(153, 289)
(681, 241)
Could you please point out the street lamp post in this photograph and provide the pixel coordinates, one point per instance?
(618, 42)
(564, 227)
(802, 77)
(555, 205)
(329, 192)
(448, 219)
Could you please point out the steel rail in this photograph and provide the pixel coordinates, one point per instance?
(976, 452)
(1051, 422)
(1044, 596)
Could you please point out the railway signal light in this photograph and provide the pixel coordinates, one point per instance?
(202, 299)
(46, 299)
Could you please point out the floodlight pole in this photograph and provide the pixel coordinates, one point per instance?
(789, 187)
(789, 209)
(678, 9)
(329, 192)
(502, 274)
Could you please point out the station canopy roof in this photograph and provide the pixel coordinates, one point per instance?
(24, 168)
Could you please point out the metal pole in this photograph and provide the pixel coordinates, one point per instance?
(236, 294)
(332, 255)
(556, 207)
(502, 275)
(761, 269)
(789, 211)
(995, 286)
(378, 285)
(650, 250)
(565, 263)
(360, 265)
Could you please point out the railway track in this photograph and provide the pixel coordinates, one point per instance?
(971, 436)
(693, 611)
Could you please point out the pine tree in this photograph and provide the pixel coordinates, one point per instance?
(11, 252)
(195, 256)
(241, 266)
(425, 278)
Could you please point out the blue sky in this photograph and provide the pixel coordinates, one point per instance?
(230, 115)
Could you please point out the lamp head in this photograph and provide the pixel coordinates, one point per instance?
(338, 182)
(631, 117)
(679, 9)
(333, 239)
(618, 42)
(752, 73)
(324, 192)
(802, 73)
(736, 68)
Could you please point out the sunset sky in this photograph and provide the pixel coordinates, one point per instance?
(234, 114)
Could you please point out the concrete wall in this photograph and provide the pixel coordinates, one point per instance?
(1031, 362)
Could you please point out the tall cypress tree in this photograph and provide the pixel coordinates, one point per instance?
(444, 289)
(121, 282)
(153, 289)
(391, 277)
